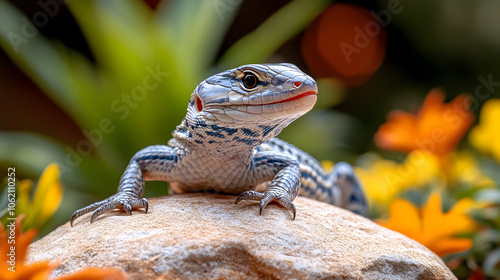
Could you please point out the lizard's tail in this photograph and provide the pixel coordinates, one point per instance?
(353, 198)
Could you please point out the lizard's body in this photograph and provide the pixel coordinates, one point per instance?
(226, 144)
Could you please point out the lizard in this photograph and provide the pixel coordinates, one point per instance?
(226, 143)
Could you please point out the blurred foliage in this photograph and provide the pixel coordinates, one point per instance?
(130, 89)
(486, 250)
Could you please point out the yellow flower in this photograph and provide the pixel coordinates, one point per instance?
(327, 165)
(465, 169)
(39, 270)
(437, 127)
(384, 179)
(380, 181)
(46, 199)
(486, 135)
(420, 168)
(430, 226)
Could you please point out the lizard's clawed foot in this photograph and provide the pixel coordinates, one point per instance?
(267, 197)
(109, 204)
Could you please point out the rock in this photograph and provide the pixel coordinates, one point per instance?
(194, 236)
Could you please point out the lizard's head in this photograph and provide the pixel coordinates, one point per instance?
(255, 94)
(250, 104)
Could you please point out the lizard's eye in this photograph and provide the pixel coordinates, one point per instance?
(250, 80)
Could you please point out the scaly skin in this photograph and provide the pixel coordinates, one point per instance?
(226, 144)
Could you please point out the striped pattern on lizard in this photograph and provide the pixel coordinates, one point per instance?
(226, 143)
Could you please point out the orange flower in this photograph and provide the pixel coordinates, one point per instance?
(430, 226)
(345, 42)
(12, 262)
(436, 128)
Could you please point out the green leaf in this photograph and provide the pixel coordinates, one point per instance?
(70, 76)
(489, 195)
(488, 236)
(127, 45)
(197, 28)
(119, 35)
(258, 45)
(491, 264)
(4, 202)
(31, 153)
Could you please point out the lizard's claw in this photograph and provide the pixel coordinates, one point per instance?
(109, 204)
(267, 197)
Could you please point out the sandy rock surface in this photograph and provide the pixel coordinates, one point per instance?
(193, 236)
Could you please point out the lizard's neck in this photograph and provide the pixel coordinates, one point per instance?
(224, 142)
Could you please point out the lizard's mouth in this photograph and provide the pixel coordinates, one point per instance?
(302, 95)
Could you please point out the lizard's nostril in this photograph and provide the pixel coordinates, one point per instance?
(297, 84)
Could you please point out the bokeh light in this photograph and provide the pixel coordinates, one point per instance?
(346, 42)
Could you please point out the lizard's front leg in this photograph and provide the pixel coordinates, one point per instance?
(151, 163)
(284, 172)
